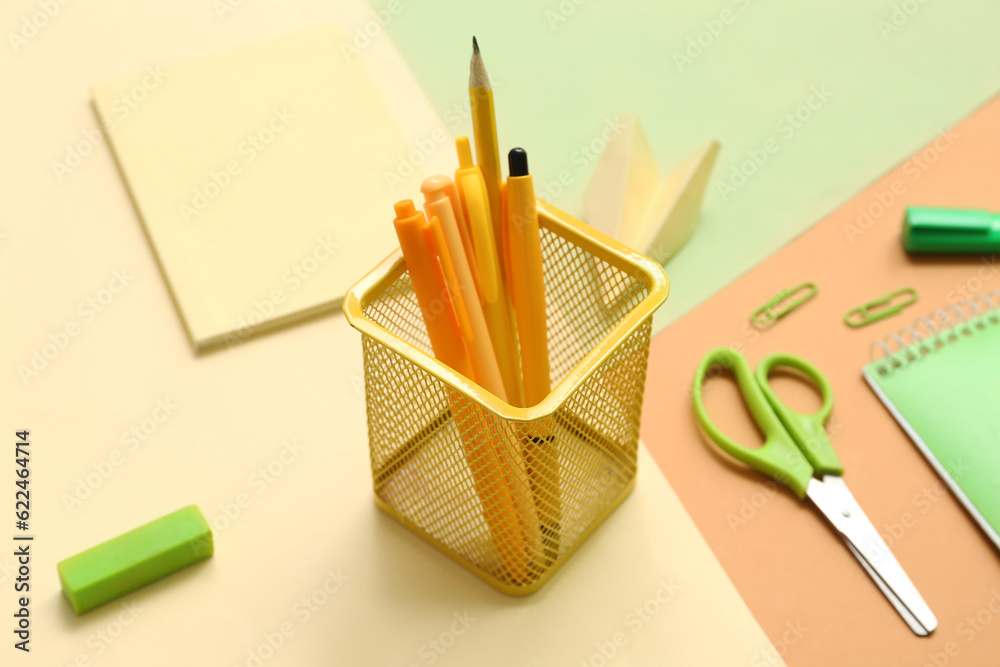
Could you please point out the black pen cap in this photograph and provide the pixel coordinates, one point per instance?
(517, 162)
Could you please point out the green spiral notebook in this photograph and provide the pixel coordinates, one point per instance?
(940, 379)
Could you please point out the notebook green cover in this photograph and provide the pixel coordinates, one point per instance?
(941, 381)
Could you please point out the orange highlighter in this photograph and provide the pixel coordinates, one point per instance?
(439, 191)
(493, 291)
(439, 315)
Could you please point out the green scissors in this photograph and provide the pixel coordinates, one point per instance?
(798, 454)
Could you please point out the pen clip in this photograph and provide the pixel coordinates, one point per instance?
(504, 252)
(477, 208)
(880, 308)
(458, 210)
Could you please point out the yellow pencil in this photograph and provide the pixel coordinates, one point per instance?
(484, 127)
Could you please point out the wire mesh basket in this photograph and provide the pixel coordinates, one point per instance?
(508, 492)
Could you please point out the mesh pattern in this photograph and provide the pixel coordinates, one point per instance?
(509, 499)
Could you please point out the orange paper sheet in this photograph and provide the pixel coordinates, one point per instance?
(805, 588)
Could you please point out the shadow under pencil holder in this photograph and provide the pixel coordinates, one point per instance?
(510, 493)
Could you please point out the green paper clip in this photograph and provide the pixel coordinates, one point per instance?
(788, 299)
(880, 308)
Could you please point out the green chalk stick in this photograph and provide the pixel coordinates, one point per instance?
(139, 557)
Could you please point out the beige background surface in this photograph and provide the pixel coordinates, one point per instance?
(267, 438)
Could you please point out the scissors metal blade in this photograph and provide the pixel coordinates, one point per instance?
(835, 500)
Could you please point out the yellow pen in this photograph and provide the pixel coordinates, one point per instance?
(526, 278)
(492, 286)
(438, 207)
(527, 281)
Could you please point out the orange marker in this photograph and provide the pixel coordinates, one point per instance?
(500, 506)
(430, 287)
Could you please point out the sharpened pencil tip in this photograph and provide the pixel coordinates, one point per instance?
(478, 78)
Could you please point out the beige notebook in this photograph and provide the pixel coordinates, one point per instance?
(265, 176)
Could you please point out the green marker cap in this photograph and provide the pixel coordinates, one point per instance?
(950, 230)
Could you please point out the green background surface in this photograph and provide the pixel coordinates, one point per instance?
(897, 73)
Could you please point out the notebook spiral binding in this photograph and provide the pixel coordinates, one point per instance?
(942, 327)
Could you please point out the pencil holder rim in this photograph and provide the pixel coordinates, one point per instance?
(642, 268)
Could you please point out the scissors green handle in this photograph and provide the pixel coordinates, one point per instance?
(796, 446)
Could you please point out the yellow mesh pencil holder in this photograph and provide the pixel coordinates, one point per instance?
(510, 493)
